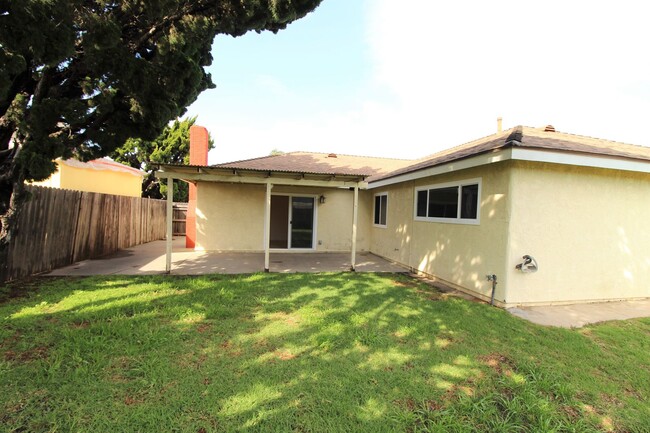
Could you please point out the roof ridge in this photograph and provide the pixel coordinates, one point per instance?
(312, 153)
(505, 133)
(250, 159)
(354, 156)
(578, 136)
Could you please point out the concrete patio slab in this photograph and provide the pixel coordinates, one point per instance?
(579, 315)
(149, 258)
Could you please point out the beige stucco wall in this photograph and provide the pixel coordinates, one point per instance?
(91, 180)
(588, 229)
(461, 254)
(230, 217)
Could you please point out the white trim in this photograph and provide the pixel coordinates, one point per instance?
(169, 228)
(475, 161)
(374, 201)
(458, 220)
(267, 227)
(522, 154)
(355, 220)
(597, 161)
(262, 179)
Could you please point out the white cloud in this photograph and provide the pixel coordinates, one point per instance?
(464, 63)
(443, 71)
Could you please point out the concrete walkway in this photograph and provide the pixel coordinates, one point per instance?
(579, 315)
(149, 259)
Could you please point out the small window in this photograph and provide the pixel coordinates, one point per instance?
(452, 202)
(381, 201)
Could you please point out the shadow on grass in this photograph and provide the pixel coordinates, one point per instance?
(298, 352)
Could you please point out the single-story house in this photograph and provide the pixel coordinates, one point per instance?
(529, 215)
(101, 175)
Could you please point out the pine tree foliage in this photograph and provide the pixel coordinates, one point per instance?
(172, 146)
(79, 77)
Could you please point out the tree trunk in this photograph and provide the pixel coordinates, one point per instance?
(16, 196)
(12, 195)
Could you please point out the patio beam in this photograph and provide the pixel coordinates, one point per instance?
(355, 214)
(267, 227)
(242, 178)
(170, 215)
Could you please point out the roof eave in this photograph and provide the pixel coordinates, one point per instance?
(195, 173)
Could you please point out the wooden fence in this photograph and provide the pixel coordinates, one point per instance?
(179, 219)
(58, 227)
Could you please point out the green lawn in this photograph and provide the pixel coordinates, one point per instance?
(305, 353)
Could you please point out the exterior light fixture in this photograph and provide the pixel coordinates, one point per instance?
(321, 199)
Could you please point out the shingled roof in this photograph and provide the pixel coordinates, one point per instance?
(526, 137)
(320, 163)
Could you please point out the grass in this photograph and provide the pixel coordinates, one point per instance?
(305, 353)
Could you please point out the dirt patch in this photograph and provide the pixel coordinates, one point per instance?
(399, 283)
(284, 355)
(611, 400)
(406, 403)
(39, 352)
(202, 328)
(130, 400)
(499, 363)
(230, 350)
(80, 325)
(571, 412)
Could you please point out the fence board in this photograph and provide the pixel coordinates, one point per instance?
(59, 227)
(179, 218)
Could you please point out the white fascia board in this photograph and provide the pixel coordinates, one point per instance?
(567, 158)
(475, 161)
(522, 154)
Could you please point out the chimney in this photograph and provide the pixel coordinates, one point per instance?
(198, 156)
(499, 124)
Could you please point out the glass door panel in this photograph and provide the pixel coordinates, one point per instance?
(302, 222)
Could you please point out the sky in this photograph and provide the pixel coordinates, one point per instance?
(408, 78)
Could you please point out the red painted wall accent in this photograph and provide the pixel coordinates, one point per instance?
(198, 156)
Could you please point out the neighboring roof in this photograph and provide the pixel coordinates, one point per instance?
(102, 164)
(319, 163)
(526, 137)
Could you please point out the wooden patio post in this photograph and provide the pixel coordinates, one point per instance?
(267, 226)
(170, 216)
(355, 212)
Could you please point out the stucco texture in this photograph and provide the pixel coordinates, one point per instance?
(459, 254)
(230, 217)
(92, 180)
(586, 227)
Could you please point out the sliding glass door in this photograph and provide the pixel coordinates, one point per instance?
(292, 222)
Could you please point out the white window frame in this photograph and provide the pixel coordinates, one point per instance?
(374, 203)
(458, 219)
